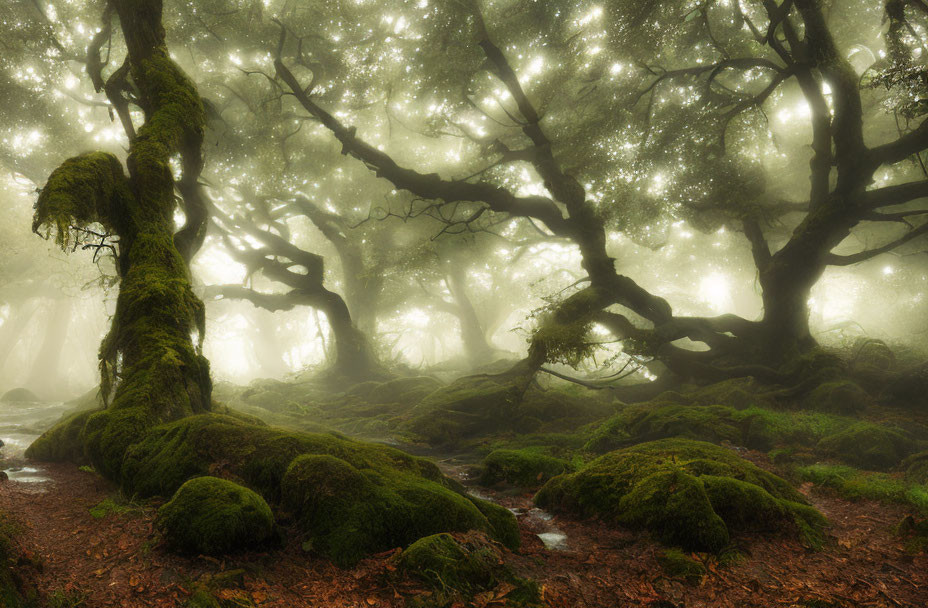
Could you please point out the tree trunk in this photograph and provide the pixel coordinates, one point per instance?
(353, 355)
(159, 372)
(476, 346)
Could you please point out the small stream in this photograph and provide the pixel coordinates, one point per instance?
(20, 424)
(553, 538)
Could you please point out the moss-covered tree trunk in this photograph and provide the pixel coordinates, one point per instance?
(150, 359)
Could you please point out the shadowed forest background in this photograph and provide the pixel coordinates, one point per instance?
(464, 303)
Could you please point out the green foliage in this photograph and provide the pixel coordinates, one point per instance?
(563, 334)
(868, 445)
(687, 493)
(854, 484)
(214, 516)
(457, 570)
(526, 468)
(678, 564)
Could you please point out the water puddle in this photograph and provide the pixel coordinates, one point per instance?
(553, 538)
(26, 475)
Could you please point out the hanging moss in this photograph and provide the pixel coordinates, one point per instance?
(687, 493)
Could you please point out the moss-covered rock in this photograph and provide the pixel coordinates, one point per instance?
(458, 568)
(349, 512)
(527, 468)
(64, 442)
(868, 445)
(687, 493)
(677, 564)
(350, 497)
(213, 516)
(914, 533)
(713, 423)
(838, 397)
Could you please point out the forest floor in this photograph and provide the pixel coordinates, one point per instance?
(75, 559)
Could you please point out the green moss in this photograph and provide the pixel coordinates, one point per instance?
(855, 485)
(348, 512)
(737, 393)
(403, 390)
(63, 442)
(113, 506)
(215, 516)
(526, 468)
(503, 525)
(458, 570)
(916, 468)
(13, 590)
(677, 564)
(868, 445)
(914, 533)
(687, 493)
(838, 397)
(753, 427)
(482, 406)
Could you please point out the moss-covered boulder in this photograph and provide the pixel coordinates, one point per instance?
(350, 497)
(838, 397)
(687, 493)
(868, 445)
(349, 512)
(64, 442)
(527, 467)
(458, 568)
(214, 516)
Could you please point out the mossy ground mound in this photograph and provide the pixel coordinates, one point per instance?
(678, 564)
(916, 468)
(348, 512)
(687, 493)
(854, 484)
(527, 468)
(754, 427)
(869, 445)
(458, 568)
(838, 397)
(480, 406)
(215, 516)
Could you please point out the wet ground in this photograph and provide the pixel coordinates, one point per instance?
(20, 424)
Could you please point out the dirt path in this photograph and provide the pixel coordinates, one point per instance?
(116, 561)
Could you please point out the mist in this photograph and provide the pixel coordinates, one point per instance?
(460, 298)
